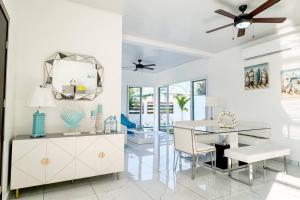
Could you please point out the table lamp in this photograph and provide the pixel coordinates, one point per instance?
(42, 98)
(212, 102)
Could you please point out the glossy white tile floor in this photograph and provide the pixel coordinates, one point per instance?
(148, 175)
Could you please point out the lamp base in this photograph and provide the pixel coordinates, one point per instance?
(38, 128)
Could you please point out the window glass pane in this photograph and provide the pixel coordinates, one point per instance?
(180, 98)
(148, 107)
(163, 108)
(134, 104)
(199, 93)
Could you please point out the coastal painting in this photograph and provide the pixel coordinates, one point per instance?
(290, 82)
(256, 76)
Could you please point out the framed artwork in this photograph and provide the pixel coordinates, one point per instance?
(256, 76)
(290, 82)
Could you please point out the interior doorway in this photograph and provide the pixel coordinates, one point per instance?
(3, 54)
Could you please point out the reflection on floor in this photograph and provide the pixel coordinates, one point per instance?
(149, 175)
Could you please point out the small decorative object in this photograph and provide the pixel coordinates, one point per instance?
(42, 98)
(111, 125)
(72, 117)
(68, 90)
(93, 122)
(290, 82)
(80, 89)
(256, 76)
(99, 119)
(211, 102)
(227, 120)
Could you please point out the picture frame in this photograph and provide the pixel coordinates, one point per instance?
(290, 82)
(256, 76)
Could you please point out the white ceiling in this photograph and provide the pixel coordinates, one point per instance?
(164, 59)
(184, 22)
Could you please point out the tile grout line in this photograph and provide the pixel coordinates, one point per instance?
(140, 188)
(93, 189)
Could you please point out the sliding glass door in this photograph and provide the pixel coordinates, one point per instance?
(181, 101)
(141, 106)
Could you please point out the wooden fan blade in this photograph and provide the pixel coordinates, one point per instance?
(269, 20)
(241, 32)
(263, 7)
(149, 68)
(219, 28)
(150, 65)
(135, 63)
(225, 13)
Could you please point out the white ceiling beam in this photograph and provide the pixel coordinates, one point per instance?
(129, 39)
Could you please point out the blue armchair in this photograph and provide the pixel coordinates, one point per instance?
(128, 124)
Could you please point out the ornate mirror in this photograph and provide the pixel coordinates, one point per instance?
(73, 76)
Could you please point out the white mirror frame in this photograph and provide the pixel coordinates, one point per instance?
(48, 74)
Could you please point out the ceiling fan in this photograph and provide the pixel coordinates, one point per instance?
(139, 65)
(244, 20)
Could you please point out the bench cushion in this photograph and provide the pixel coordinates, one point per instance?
(255, 153)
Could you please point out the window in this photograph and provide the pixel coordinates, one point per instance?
(181, 101)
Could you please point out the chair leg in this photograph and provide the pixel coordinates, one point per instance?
(229, 167)
(175, 161)
(193, 167)
(215, 161)
(285, 165)
(250, 174)
(212, 161)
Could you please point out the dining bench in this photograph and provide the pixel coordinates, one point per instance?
(253, 154)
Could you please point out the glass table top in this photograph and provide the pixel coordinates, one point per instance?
(240, 127)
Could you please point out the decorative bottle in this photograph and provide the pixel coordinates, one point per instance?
(93, 122)
(99, 119)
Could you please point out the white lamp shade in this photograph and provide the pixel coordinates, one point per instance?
(42, 98)
(212, 101)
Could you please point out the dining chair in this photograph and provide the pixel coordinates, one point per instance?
(185, 142)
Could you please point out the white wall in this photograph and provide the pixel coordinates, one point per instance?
(49, 26)
(226, 80)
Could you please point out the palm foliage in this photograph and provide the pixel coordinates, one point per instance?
(182, 101)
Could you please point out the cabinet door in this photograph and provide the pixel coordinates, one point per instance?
(60, 159)
(28, 166)
(112, 158)
(86, 160)
(96, 155)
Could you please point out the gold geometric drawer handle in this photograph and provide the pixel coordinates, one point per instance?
(101, 155)
(45, 161)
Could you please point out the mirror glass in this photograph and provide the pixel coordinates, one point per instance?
(74, 77)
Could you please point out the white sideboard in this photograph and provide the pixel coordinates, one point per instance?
(57, 158)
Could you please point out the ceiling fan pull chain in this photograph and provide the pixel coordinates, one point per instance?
(233, 33)
(253, 34)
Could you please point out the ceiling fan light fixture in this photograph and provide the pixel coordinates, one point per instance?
(243, 24)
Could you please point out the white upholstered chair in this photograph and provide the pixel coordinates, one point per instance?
(185, 142)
